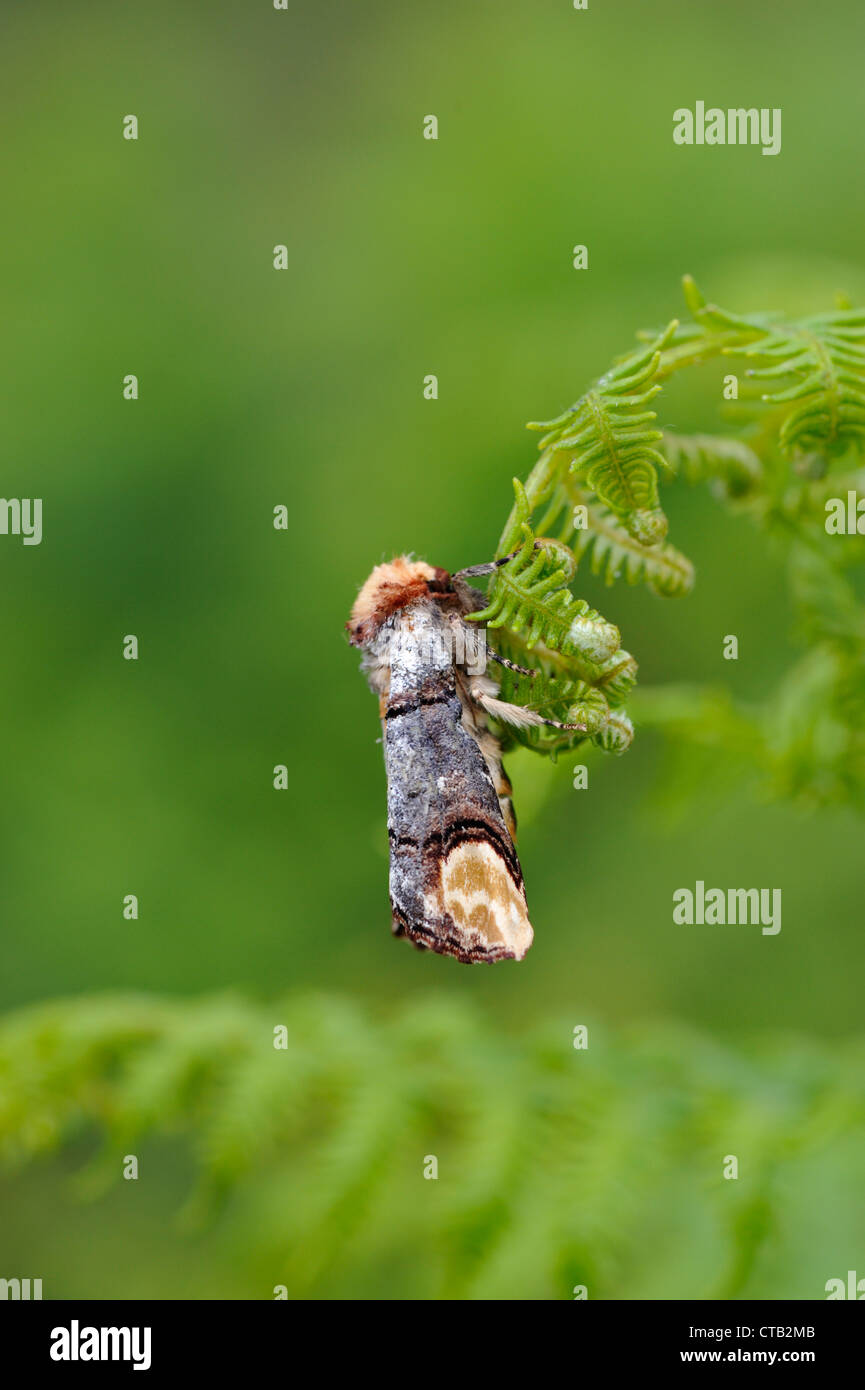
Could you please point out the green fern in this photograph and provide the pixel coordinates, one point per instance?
(729, 463)
(555, 1166)
(806, 741)
(529, 597)
(591, 499)
(596, 534)
(825, 357)
(821, 359)
(579, 669)
(608, 439)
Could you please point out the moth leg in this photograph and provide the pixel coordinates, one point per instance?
(488, 743)
(472, 649)
(491, 749)
(511, 665)
(517, 715)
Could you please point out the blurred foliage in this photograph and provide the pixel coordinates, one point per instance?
(806, 740)
(557, 1166)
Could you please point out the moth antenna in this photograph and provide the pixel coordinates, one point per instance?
(491, 565)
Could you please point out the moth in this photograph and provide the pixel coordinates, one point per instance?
(456, 886)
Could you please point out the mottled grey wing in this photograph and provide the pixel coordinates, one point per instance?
(455, 880)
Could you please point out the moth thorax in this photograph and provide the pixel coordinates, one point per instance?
(421, 647)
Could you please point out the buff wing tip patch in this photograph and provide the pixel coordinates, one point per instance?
(487, 907)
(477, 913)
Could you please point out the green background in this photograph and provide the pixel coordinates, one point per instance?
(304, 387)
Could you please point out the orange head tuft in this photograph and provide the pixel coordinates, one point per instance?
(392, 586)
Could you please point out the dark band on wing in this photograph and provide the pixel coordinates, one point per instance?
(409, 706)
(468, 829)
(443, 944)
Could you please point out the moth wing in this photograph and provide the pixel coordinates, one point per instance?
(485, 906)
(455, 880)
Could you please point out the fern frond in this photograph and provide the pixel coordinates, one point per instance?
(617, 734)
(798, 510)
(609, 436)
(593, 490)
(715, 319)
(555, 1166)
(825, 357)
(616, 676)
(567, 699)
(593, 698)
(529, 596)
(711, 331)
(613, 553)
(700, 458)
(827, 606)
(818, 361)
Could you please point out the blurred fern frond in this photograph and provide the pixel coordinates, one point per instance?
(806, 741)
(556, 1166)
(699, 458)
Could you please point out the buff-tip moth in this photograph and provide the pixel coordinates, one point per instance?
(456, 886)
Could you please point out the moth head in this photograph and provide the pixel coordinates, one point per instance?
(390, 587)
